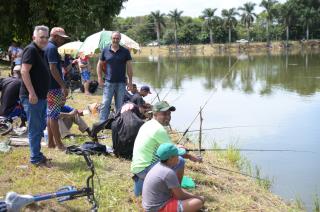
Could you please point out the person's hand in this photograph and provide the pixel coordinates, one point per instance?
(201, 198)
(129, 86)
(181, 146)
(197, 159)
(65, 92)
(127, 107)
(33, 99)
(100, 81)
(80, 113)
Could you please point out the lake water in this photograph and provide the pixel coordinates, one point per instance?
(261, 102)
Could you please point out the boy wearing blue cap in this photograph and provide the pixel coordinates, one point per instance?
(161, 189)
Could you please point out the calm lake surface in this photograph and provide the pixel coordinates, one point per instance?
(267, 102)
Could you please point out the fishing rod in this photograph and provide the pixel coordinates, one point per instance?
(216, 128)
(157, 96)
(228, 170)
(166, 94)
(248, 150)
(205, 103)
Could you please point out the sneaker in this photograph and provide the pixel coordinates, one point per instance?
(45, 162)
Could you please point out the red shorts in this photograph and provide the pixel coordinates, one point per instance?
(171, 206)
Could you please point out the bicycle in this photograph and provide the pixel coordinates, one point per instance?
(14, 202)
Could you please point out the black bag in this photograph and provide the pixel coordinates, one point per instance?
(125, 128)
(94, 148)
(93, 86)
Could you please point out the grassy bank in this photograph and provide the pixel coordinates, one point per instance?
(226, 49)
(224, 190)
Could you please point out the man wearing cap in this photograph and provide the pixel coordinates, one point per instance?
(137, 98)
(150, 136)
(118, 63)
(33, 91)
(9, 103)
(161, 188)
(57, 90)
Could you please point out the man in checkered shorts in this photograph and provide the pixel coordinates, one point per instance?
(57, 90)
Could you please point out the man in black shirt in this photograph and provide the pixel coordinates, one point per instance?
(33, 92)
(137, 97)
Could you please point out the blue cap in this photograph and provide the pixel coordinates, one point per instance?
(145, 88)
(168, 150)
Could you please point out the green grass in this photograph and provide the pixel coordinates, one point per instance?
(224, 191)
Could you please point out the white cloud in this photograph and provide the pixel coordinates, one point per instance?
(190, 7)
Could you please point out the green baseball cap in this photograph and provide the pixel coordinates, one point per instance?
(162, 106)
(168, 150)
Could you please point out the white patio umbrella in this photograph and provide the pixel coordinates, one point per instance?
(96, 42)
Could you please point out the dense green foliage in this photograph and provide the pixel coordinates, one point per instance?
(79, 18)
(292, 20)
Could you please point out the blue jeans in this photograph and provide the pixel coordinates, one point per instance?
(111, 89)
(36, 116)
(139, 178)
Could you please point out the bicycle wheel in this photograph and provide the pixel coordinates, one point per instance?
(5, 128)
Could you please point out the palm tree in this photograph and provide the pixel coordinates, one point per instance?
(209, 17)
(247, 16)
(158, 19)
(307, 16)
(268, 6)
(287, 16)
(229, 19)
(175, 15)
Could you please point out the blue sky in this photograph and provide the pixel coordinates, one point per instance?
(191, 8)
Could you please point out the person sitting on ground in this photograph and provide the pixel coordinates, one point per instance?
(128, 95)
(161, 188)
(10, 103)
(137, 97)
(150, 136)
(125, 127)
(67, 117)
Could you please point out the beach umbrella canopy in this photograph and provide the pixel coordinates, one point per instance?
(70, 48)
(96, 42)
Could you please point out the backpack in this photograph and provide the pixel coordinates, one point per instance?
(93, 86)
(94, 148)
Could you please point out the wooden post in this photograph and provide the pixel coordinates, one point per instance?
(200, 131)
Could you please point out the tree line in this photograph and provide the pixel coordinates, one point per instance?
(79, 18)
(292, 20)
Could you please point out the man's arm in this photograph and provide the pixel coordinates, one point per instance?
(55, 73)
(182, 194)
(68, 115)
(25, 74)
(129, 74)
(99, 72)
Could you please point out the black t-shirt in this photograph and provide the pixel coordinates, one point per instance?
(39, 73)
(137, 99)
(9, 88)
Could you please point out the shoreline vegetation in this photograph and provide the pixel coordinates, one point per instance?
(224, 190)
(256, 48)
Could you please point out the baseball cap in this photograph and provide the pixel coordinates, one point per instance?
(58, 31)
(168, 150)
(145, 88)
(17, 68)
(162, 106)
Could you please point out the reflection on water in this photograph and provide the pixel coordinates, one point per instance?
(276, 98)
